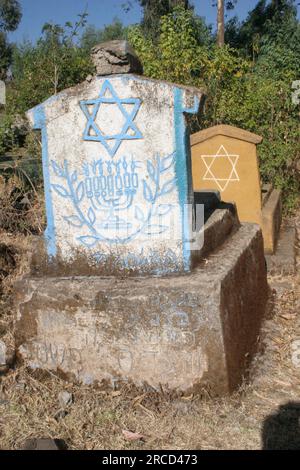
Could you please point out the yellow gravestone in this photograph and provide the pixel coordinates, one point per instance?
(224, 158)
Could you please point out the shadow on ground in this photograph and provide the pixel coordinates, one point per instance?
(281, 430)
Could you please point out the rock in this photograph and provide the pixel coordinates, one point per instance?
(44, 444)
(4, 370)
(114, 57)
(65, 398)
(61, 414)
(2, 354)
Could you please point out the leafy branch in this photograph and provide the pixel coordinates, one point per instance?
(152, 191)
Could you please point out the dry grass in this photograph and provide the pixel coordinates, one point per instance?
(29, 404)
(14, 262)
(22, 205)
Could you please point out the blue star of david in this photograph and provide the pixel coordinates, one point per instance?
(129, 118)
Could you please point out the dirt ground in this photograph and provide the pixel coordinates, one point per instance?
(264, 414)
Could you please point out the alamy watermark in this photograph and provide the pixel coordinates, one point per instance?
(2, 93)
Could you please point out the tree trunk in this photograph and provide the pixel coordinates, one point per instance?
(221, 26)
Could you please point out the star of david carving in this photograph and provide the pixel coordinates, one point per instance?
(129, 131)
(213, 174)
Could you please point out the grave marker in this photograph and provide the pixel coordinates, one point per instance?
(224, 158)
(117, 173)
(120, 201)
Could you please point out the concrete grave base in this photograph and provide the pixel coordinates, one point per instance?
(283, 262)
(181, 332)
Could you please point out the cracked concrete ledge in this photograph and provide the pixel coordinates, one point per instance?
(182, 332)
(283, 262)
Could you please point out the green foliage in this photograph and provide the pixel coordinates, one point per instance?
(6, 133)
(252, 95)
(5, 55)
(261, 25)
(92, 35)
(248, 82)
(177, 55)
(154, 10)
(53, 64)
(41, 70)
(10, 17)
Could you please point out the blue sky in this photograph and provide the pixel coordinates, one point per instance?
(101, 12)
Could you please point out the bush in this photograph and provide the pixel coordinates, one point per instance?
(251, 91)
(254, 96)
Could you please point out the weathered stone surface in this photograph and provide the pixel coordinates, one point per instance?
(114, 57)
(44, 444)
(65, 398)
(220, 225)
(284, 260)
(208, 237)
(117, 175)
(271, 219)
(198, 329)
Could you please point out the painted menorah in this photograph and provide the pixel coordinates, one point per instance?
(112, 189)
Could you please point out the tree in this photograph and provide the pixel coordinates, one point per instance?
(153, 10)
(261, 24)
(92, 35)
(10, 17)
(221, 6)
(251, 95)
(221, 24)
(54, 63)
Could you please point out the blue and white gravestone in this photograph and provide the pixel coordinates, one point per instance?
(116, 163)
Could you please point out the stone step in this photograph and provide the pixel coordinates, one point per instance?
(220, 225)
(284, 260)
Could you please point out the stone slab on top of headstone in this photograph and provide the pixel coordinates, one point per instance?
(113, 57)
(117, 171)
